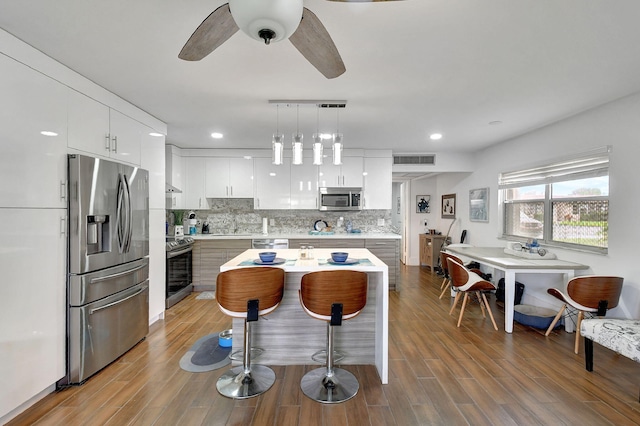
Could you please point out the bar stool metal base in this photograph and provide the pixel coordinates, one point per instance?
(237, 385)
(329, 390)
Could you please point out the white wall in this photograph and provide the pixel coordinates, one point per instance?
(616, 124)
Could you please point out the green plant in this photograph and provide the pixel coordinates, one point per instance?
(178, 215)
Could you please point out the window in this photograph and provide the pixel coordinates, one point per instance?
(565, 203)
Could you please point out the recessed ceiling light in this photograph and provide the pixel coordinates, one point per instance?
(495, 123)
(435, 136)
(216, 135)
(156, 134)
(48, 133)
(325, 136)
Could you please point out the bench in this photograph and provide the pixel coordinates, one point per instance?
(619, 335)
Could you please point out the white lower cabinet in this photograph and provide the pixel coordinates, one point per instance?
(32, 302)
(273, 190)
(33, 166)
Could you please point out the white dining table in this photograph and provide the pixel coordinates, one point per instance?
(511, 265)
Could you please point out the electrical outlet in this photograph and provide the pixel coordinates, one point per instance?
(272, 222)
(380, 222)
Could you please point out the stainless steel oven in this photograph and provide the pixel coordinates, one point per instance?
(179, 278)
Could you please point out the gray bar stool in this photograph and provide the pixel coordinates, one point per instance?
(332, 296)
(248, 293)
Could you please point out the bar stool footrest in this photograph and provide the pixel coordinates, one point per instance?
(321, 356)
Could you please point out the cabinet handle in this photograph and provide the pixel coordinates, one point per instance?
(173, 201)
(115, 144)
(63, 227)
(63, 190)
(257, 203)
(227, 190)
(231, 190)
(107, 142)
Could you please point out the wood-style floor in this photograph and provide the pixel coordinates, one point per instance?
(439, 375)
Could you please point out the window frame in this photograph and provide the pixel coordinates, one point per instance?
(592, 164)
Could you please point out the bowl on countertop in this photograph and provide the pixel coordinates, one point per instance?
(339, 256)
(267, 256)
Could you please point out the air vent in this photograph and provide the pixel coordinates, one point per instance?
(415, 159)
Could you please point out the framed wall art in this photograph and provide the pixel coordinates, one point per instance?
(449, 206)
(479, 205)
(423, 203)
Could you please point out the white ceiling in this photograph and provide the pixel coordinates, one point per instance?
(413, 67)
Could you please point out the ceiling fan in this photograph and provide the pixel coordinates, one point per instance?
(269, 21)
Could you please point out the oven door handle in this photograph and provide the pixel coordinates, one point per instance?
(117, 302)
(171, 254)
(119, 274)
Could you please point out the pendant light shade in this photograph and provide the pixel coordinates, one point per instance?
(296, 141)
(277, 146)
(296, 146)
(337, 148)
(317, 149)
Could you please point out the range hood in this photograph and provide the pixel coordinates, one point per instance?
(170, 189)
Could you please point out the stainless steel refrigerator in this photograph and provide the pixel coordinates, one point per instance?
(108, 270)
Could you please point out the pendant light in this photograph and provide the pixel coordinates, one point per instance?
(296, 143)
(337, 141)
(317, 141)
(277, 143)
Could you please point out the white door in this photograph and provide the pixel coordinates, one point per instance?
(33, 166)
(33, 303)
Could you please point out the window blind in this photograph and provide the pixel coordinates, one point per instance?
(593, 164)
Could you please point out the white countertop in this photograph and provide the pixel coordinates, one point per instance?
(343, 235)
(319, 262)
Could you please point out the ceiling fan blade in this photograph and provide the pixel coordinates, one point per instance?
(212, 32)
(314, 42)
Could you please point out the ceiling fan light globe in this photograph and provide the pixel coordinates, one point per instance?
(280, 16)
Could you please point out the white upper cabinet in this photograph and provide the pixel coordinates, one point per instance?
(88, 124)
(377, 183)
(229, 177)
(193, 192)
(272, 184)
(348, 174)
(33, 166)
(304, 186)
(96, 129)
(125, 137)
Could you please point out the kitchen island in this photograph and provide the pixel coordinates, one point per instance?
(290, 337)
(211, 251)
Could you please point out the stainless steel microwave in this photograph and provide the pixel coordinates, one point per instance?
(340, 199)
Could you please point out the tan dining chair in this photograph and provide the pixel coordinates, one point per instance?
(464, 282)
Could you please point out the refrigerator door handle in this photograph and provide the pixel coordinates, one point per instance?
(119, 274)
(124, 223)
(92, 311)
